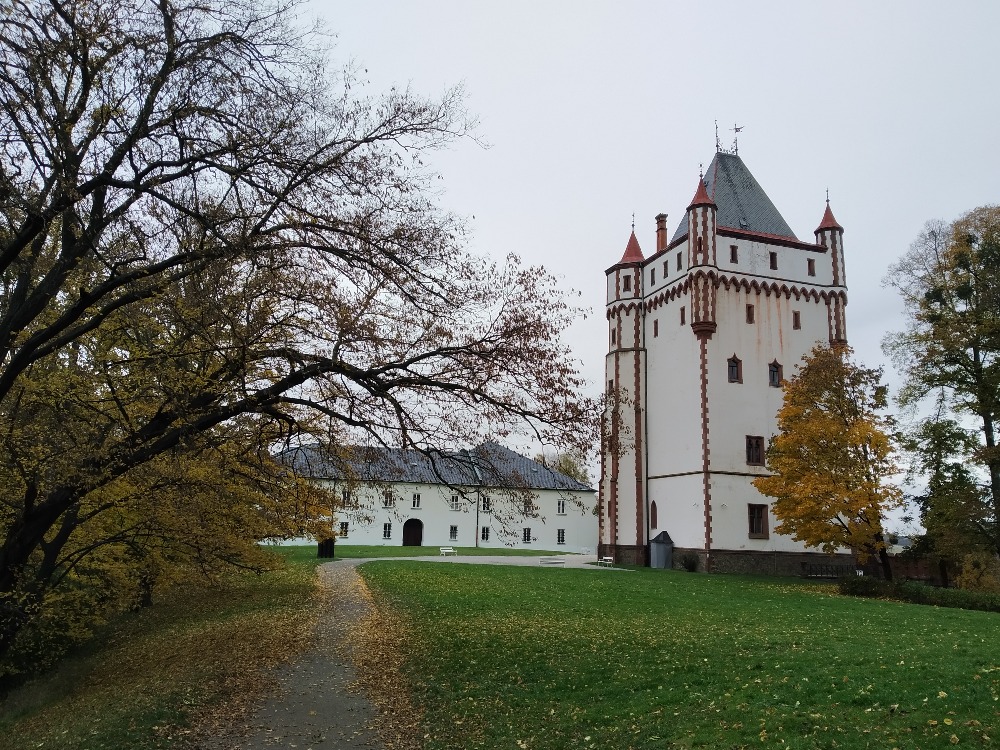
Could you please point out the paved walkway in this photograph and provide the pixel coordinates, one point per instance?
(315, 705)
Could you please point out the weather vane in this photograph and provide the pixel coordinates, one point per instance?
(633, 221)
(736, 135)
(718, 146)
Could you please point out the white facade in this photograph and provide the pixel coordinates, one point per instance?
(700, 335)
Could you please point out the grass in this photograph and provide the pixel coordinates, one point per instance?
(142, 681)
(354, 551)
(512, 657)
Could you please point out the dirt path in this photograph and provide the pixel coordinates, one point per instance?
(315, 705)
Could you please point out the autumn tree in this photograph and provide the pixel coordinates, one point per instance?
(832, 458)
(571, 464)
(213, 244)
(950, 349)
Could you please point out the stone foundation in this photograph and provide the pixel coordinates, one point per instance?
(625, 554)
(745, 562)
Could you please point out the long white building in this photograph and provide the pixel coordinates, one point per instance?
(700, 335)
(488, 497)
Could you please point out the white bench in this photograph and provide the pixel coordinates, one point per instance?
(447, 551)
(552, 561)
(606, 562)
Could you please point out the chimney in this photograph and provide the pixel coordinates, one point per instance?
(661, 232)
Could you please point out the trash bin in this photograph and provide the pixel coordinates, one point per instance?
(661, 551)
(325, 548)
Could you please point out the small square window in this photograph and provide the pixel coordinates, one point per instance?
(652, 276)
(735, 370)
(484, 533)
(796, 320)
(656, 328)
(416, 499)
(750, 315)
(682, 316)
(453, 533)
(773, 256)
(343, 530)
(453, 503)
(774, 374)
(387, 531)
(526, 534)
(627, 283)
(755, 450)
(678, 261)
(487, 505)
(757, 521)
(810, 266)
(561, 507)
(734, 254)
(560, 536)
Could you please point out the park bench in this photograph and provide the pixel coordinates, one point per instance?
(552, 561)
(606, 562)
(448, 551)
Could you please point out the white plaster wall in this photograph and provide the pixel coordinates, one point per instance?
(680, 509)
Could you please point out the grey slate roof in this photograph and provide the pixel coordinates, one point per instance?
(489, 465)
(741, 201)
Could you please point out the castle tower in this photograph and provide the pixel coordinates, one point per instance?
(700, 342)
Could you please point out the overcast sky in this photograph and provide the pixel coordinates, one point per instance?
(596, 110)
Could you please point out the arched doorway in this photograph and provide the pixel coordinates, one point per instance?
(413, 532)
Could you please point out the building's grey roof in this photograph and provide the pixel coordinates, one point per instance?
(741, 201)
(489, 465)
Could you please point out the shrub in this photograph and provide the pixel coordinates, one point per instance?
(919, 593)
(689, 562)
(980, 572)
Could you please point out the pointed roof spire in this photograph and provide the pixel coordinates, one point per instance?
(828, 221)
(633, 254)
(701, 197)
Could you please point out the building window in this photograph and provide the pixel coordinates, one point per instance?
(656, 328)
(526, 535)
(682, 316)
(749, 313)
(757, 521)
(561, 507)
(735, 370)
(614, 336)
(734, 254)
(387, 531)
(811, 266)
(611, 386)
(487, 505)
(666, 269)
(652, 276)
(345, 498)
(774, 260)
(453, 502)
(627, 283)
(484, 533)
(343, 530)
(699, 256)
(529, 507)
(416, 499)
(678, 261)
(560, 536)
(652, 515)
(453, 533)
(796, 320)
(388, 499)
(755, 450)
(774, 374)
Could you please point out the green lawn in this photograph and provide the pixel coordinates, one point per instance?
(354, 551)
(541, 658)
(142, 679)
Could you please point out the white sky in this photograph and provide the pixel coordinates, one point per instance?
(596, 110)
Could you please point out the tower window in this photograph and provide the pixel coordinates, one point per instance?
(653, 521)
(796, 320)
(749, 313)
(652, 276)
(656, 328)
(678, 261)
(614, 336)
(734, 254)
(699, 256)
(611, 386)
(774, 260)
(682, 316)
(627, 283)
(811, 266)
(755, 450)
(666, 269)
(774, 374)
(735, 370)
(757, 521)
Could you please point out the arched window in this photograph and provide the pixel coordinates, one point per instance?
(774, 374)
(652, 515)
(735, 367)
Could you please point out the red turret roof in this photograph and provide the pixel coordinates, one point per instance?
(828, 221)
(633, 254)
(701, 197)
